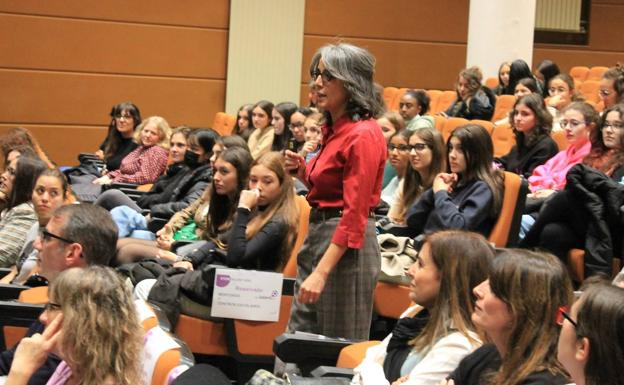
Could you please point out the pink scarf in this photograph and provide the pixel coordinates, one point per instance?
(552, 174)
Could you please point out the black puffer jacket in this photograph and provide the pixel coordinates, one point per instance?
(602, 198)
(184, 191)
(481, 106)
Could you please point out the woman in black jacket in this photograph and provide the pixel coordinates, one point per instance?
(474, 101)
(184, 182)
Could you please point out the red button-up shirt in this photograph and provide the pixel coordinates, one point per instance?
(347, 173)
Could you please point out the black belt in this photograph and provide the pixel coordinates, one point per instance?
(325, 213)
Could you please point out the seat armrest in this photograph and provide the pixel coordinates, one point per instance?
(332, 371)
(4, 271)
(309, 351)
(10, 291)
(120, 185)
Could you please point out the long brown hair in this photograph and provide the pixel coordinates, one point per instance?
(543, 120)
(601, 157)
(462, 259)
(413, 183)
(533, 285)
(284, 206)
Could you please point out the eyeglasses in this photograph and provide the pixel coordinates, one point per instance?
(46, 235)
(604, 93)
(126, 117)
(400, 147)
(418, 147)
(325, 75)
(51, 306)
(562, 314)
(295, 125)
(571, 123)
(613, 125)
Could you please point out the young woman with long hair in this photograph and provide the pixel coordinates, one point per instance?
(546, 70)
(517, 308)
(91, 323)
(261, 139)
(427, 158)
(612, 86)
(591, 342)
(503, 78)
(434, 335)
(470, 196)
(531, 125)
(281, 124)
(17, 182)
(474, 101)
(243, 125)
(125, 118)
(398, 157)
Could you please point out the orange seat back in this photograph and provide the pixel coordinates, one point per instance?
(491, 82)
(595, 73)
(389, 94)
(576, 265)
(444, 101)
(489, 126)
(229, 122)
(352, 355)
(451, 124)
(35, 295)
(290, 270)
(394, 105)
(202, 336)
(434, 96)
(589, 89)
(504, 104)
(503, 139)
(560, 138)
(391, 300)
(505, 231)
(579, 73)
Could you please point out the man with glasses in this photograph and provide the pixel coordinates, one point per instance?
(76, 236)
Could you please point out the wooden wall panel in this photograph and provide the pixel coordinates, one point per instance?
(606, 27)
(410, 20)
(111, 47)
(64, 143)
(44, 97)
(198, 13)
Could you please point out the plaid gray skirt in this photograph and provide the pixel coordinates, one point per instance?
(345, 306)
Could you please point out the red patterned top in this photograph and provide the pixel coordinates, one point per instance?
(141, 166)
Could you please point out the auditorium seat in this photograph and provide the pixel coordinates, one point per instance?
(504, 104)
(489, 126)
(444, 102)
(503, 139)
(389, 93)
(491, 82)
(507, 227)
(434, 96)
(595, 73)
(579, 73)
(589, 89)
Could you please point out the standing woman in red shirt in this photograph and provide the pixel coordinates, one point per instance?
(339, 262)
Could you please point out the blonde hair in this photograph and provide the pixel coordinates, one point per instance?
(102, 337)
(462, 259)
(164, 131)
(283, 206)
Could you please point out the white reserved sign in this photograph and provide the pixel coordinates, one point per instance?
(247, 294)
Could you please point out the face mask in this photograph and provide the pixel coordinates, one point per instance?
(191, 159)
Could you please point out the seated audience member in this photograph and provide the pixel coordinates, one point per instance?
(531, 125)
(17, 183)
(146, 162)
(243, 126)
(470, 196)
(435, 334)
(261, 236)
(413, 106)
(562, 93)
(427, 159)
(312, 135)
(184, 181)
(261, 139)
(125, 118)
(297, 122)
(546, 70)
(398, 157)
(525, 86)
(503, 78)
(517, 307)
(76, 236)
(390, 122)
(579, 121)
(19, 136)
(591, 342)
(474, 101)
(581, 215)
(612, 86)
(280, 121)
(519, 69)
(212, 214)
(92, 325)
(312, 94)
(49, 194)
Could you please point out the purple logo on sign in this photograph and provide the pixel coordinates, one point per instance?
(223, 280)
